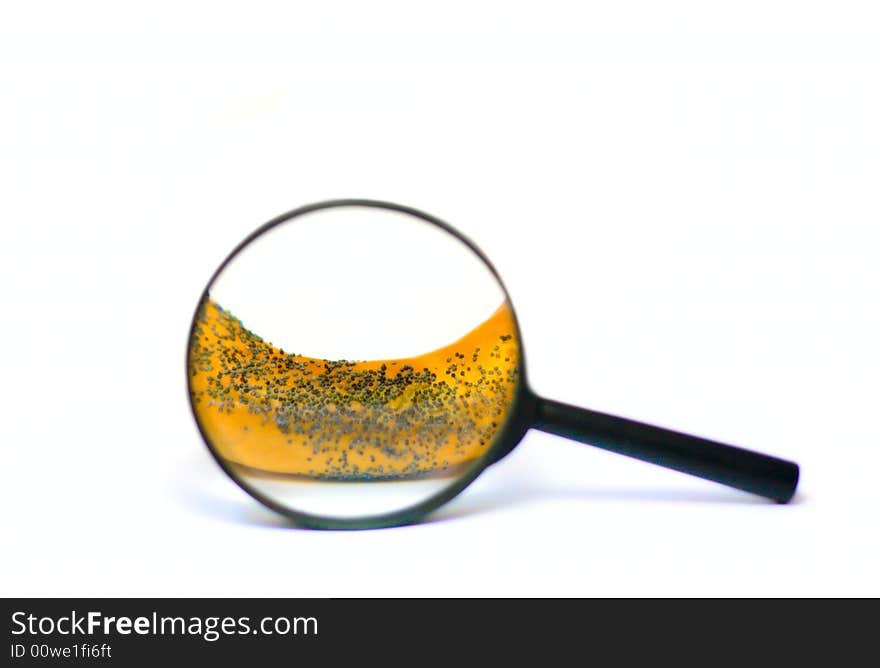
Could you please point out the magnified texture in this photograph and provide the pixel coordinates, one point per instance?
(353, 361)
(276, 411)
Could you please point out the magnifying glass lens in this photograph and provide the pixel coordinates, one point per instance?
(353, 361)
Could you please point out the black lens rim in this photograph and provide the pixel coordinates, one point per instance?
(519, 419)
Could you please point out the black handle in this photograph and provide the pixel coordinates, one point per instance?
(743, 469)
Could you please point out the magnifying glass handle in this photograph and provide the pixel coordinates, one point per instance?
(735, 467)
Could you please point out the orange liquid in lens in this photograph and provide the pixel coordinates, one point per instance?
(276, 412)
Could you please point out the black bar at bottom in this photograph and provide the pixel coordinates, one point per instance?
(448, 632)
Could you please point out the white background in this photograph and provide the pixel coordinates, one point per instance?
(682, 198)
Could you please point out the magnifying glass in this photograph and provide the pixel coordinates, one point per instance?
(356, 364)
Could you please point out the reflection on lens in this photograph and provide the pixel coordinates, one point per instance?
(345, 437)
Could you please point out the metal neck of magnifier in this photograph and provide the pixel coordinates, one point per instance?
(749, 471)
